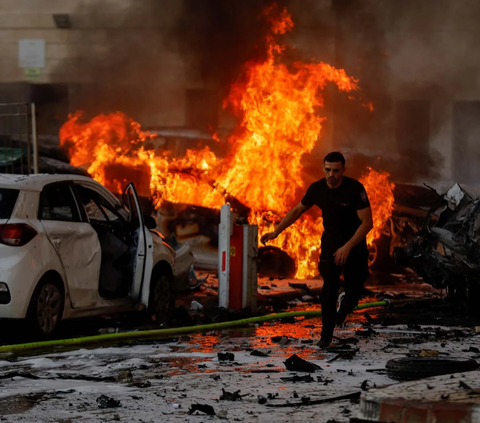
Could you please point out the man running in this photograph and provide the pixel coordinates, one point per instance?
(347, 219)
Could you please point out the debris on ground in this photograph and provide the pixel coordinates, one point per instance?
(257, 353)
(139, 384)
(366, 385)
(308, 401)
(447, 250)
(222, 414)
(231, 396)
(411, 368)
(282, 340)
(125, 377)
(295, 378)
(107, 402)
(203, 408)
(195, 306)
(296, 364)
(261, 399)
(364, 333)
(463, 385)
(226, 356)
(191, 369)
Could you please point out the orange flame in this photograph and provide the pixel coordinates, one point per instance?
(380, 194)
(278, 110)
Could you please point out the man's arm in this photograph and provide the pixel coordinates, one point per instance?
(288, 220)
(365, 215)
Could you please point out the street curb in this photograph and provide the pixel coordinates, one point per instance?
(433, 400)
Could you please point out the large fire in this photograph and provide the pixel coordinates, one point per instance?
(278, 110)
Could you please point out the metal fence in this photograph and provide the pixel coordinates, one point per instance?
(18, 138)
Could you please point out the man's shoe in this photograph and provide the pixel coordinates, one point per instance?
(341, 315)
(324, 343)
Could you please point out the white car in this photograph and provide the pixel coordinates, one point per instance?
(69, 248)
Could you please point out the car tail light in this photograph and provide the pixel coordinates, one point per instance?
(16, 234)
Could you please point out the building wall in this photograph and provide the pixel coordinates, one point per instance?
(74, 56)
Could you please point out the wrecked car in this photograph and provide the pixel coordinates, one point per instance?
(70, 248)
(446, 252)
(412, 204)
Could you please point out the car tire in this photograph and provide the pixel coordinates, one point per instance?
(411, 368)
(161, 296)
(372, 254)
(46, 308)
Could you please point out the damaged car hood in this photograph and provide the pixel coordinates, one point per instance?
(447, 250)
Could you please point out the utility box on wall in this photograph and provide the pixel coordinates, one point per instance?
(237, 263)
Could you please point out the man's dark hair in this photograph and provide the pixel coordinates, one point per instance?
(333, 157)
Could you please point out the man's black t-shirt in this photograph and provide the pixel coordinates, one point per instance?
(339, 210)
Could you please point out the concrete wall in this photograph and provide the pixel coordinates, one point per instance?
(74, 56)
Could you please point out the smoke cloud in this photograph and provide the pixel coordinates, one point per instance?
(412, 59)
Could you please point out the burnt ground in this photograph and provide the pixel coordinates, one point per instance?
(165, 380)
(413, 303)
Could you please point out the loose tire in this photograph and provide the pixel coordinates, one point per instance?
(46, 308)
(161, 296)
(410, 368)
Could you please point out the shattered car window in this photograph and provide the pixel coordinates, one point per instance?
(109, 213)
(95, 205)
(93, 211)
(57, 203)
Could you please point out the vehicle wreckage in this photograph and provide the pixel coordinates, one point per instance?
(446, 252)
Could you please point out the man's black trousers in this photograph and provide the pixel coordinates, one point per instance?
(355, 273)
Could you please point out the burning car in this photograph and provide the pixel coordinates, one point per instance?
(70, 248)
(446, 252)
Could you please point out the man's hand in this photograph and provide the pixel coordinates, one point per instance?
(268, 237)
(341, 255)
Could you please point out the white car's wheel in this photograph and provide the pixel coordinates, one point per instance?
(46, 308)
(161, 297)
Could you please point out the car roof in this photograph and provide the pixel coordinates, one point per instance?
(37, 181)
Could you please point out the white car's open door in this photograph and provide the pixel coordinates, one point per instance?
(136, 219)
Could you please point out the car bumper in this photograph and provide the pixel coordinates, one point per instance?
(20, 270)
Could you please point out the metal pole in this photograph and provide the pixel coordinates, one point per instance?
(34, 140)
(29, 141)
(20, 137)
(224, 234)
